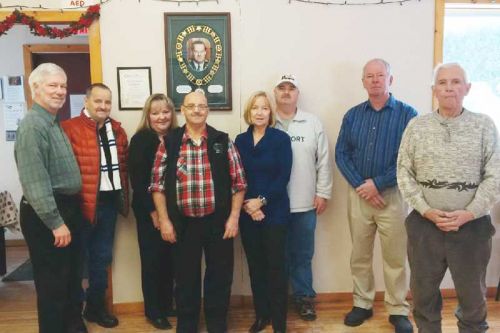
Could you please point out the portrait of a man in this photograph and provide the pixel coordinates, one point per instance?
(198, 54)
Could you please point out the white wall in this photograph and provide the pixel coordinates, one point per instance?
(326, 47)
(11, 64)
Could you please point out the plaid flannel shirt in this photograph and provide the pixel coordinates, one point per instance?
(194, 185)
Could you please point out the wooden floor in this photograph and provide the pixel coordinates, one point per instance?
(18, 313)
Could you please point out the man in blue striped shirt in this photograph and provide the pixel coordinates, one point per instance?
(366, 155)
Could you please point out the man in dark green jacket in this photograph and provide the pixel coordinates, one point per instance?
(50, 213)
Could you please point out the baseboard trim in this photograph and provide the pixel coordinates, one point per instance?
(246, 300)
(379, 295)
(127, 308)
(15, 242)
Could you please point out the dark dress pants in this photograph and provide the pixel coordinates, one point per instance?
(202, 235)
(156, 267)
(466, 253)
(57, 271)
(265, 249)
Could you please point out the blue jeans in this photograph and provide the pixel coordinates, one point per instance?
(98, 241)
(300, 252)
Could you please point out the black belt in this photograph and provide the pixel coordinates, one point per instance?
(108, 196)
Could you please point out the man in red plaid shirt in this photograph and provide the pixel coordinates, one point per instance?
(198, 185)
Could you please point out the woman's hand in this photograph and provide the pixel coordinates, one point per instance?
(252, 205)
(258, 215)
(167, 231)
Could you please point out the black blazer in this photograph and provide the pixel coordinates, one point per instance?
(141, 155)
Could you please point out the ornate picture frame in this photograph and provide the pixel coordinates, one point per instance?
(198, 57)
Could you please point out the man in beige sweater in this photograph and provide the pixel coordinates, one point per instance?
(448, 171)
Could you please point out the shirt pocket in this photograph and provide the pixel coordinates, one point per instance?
(182, 171)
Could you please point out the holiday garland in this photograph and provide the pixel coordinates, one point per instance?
(39, 29)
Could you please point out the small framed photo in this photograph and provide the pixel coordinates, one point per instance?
(198, 57)
(134, 87)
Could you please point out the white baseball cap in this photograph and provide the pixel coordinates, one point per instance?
(290, 78)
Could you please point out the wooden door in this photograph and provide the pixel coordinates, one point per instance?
(74, 59)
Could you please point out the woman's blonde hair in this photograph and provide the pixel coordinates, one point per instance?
(146, 110)
(250, 103)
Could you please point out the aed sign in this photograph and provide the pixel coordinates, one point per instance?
(77, 3)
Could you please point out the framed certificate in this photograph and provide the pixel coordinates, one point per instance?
(134, 87)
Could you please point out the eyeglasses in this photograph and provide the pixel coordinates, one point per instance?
(191, 107)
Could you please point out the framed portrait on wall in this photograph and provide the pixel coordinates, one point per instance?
(198, 57)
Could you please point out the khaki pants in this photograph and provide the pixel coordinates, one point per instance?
(364, 221)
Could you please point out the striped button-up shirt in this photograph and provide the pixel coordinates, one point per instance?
(368, 142)
(45, 163)
(194, 185)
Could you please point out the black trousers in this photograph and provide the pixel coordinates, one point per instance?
(265, 248)
(202, 235)
(157, 267)
(57, 271)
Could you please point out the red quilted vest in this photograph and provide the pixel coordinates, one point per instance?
(82, 133)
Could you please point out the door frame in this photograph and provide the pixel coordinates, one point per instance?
(30, 49)
(439, 13)
(94, 50)
(94, 34)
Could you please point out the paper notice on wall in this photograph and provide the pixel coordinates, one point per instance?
(76, 103)
(13, 89)
(13, 113)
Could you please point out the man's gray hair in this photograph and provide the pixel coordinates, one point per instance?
(439, 67)
(380, 60)
(41, 72)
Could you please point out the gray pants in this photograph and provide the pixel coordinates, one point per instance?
(466, 253)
